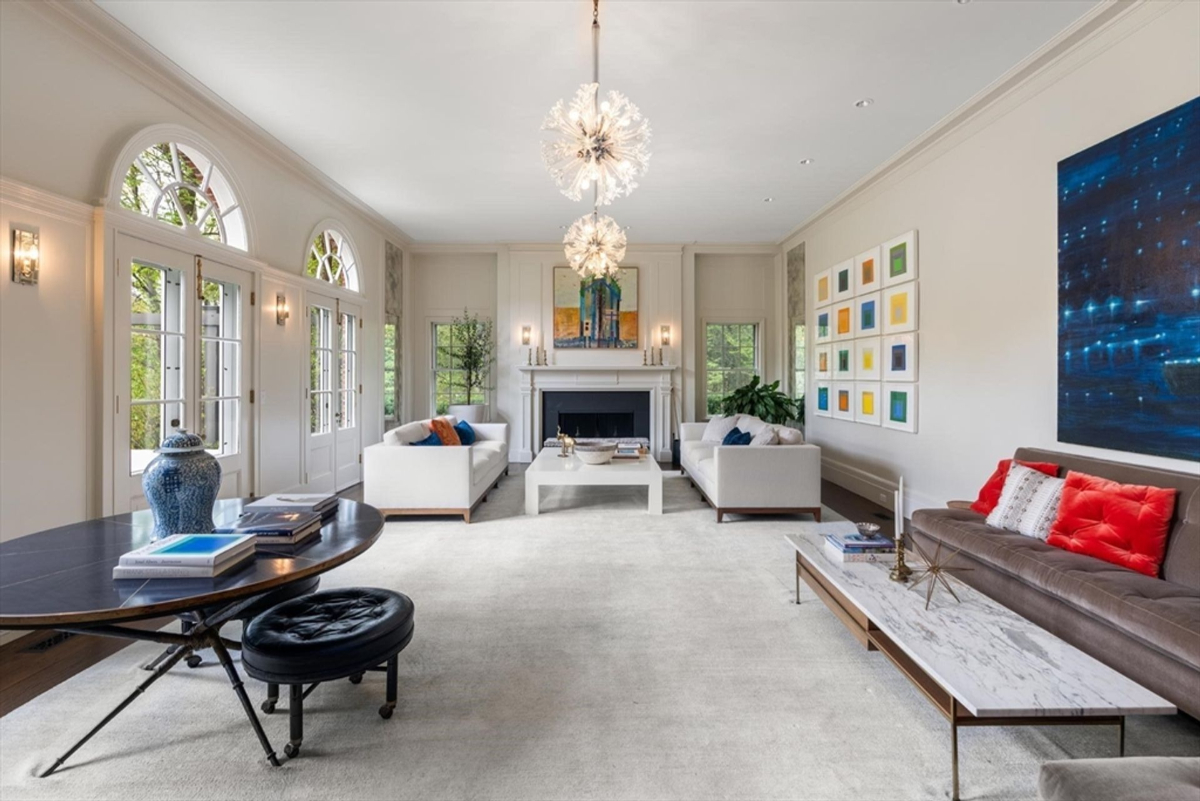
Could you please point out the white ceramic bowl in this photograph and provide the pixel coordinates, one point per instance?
(596, 454)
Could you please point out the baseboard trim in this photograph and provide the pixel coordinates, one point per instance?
(874, 488)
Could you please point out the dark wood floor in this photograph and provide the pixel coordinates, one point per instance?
(34, 663)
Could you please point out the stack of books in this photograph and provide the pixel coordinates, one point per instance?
(186, 556)
(630, 450)
(276, 528)
(854, 547)
(320, 504)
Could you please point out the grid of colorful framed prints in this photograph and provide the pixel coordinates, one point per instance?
(865, 358)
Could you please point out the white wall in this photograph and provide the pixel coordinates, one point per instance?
(984, 202)
(70, 103)
(440, 287)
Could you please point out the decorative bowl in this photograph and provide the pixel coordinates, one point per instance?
(598, 453)
(868, 530)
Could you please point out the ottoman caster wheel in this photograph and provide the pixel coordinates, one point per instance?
(356, 678)
(292, 750)
(195, 661)
(268, 707)
(386, 710)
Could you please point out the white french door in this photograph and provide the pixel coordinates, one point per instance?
(182, 358)
(334, 394)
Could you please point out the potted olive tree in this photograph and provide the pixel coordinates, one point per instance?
(475, 349)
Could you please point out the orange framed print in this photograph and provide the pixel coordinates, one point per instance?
(843, 320)
(822, 366)
(843, 401)
(866, 271)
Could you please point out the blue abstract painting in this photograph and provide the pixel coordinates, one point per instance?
(1129, 289)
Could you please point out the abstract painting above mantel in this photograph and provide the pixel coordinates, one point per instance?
(1129, 289)
(595, 312)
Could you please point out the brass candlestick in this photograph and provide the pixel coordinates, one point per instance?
(900, 571)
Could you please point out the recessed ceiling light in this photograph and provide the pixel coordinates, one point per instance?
(962, 2)
(866, 101)
(767, 199)
(805, 162)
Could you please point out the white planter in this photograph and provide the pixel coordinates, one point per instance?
(471, 412)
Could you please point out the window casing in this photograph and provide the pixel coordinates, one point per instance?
(177, 184)
(731, 359)
(331, 258)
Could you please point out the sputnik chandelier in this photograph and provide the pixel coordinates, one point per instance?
(602, 145)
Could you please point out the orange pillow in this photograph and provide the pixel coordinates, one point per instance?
(445, 432)
(1125, 524)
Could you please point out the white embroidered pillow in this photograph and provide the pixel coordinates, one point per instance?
(766, 436)
(1028, 503)
(718, 426)
(789, 436)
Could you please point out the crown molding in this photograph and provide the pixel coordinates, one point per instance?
(19, 195)
(1096, 31)
(759, 248)
(90, 25)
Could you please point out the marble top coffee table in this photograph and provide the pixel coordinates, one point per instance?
(550, 469)
(978, 662)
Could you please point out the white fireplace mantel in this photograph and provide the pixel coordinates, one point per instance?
(658, 380)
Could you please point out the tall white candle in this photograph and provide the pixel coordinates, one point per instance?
(900, 509)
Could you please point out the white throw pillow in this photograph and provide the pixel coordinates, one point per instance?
(449, 418)
(1028, 503)
(409, 433)
(789, 436)
(765, 436)
(752, 425)
(718, 426)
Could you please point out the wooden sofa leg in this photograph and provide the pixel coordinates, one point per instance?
(467, 517)
(817, 514)
(720, 516)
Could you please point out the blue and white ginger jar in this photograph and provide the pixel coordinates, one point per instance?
(181, 485)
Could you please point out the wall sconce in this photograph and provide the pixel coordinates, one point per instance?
(526, 334)
(664, 336)
(281, 309)
(26, 254)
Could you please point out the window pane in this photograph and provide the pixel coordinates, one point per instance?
(156, 298)
(347, 409)
(155, 367)
(219, 425)
(219, 368)
(731, 351)
(149, 424)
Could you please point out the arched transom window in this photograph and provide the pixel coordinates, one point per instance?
(331, 258)
(177, 184)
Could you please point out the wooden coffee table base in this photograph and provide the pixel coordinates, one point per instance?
(867, 633)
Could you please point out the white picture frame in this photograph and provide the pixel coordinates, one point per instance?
(898, 357)
(900, 407)
(822, 362)
(842, 357)
(868, 359)
(868, 322)
(823, 325)
(868, 399)
(899, 259)
(823, 289)
(823, 407)
(867, 271)
(842, 280)
(842, 400)
(899, 308)
(842, 320)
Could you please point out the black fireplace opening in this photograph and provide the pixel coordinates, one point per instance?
(598, 414)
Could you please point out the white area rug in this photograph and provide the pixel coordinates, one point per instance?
(593, 652)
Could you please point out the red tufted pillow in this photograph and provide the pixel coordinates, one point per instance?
(989, 494)
(1125, 524)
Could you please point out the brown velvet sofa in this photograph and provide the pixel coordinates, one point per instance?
(1147, 628)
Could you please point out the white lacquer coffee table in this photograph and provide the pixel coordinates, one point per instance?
(550, 469)
(978, 662)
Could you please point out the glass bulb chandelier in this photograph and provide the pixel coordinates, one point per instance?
(594, 246)
(602, 144)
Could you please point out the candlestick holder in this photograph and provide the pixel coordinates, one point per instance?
(900, 571)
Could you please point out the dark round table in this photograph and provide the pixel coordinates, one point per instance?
(62, 579)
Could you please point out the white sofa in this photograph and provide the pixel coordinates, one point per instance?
(404, 479)
(752, 479)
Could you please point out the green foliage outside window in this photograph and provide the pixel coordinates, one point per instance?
(185, 201)
(463, 353)
(389, 371)
(731, 359)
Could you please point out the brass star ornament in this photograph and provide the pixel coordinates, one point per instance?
(935, 571)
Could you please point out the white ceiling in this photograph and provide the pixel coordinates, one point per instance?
(430, 111)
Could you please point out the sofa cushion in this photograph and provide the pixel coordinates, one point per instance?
(789, 436)
(1125, 524)
(989, 493)
(430, 440)
(718, 426)
(466, 434)
(1161, 614)
(752, 424)
(1127, 779)
(705, 471)
(1029, 502)
(737, 437)
(485, 455)
(408, 433)
(766, 436)
(445, 431)
(693, 451)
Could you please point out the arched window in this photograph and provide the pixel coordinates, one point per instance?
(177, 184)
(331, 258)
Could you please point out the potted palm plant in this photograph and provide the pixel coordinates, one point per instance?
(475, 342)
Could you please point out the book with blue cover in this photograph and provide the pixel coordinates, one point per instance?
(858, 543)
(186, 556)
(273, 523)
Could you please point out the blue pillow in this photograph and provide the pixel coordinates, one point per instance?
(466, 434)
(432, 439)
(737, 437)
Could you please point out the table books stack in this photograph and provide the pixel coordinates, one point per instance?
(630, 450)
(186, 556)
(857, 548)
(276, 528)
(321, 504)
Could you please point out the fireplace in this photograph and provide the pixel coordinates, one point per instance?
(590, 414)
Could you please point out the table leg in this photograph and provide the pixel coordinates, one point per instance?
(531, 495)
(158, 673)
(954, 748)
(240, 690)
(797, 579)
(1121, 735)
(656, 497)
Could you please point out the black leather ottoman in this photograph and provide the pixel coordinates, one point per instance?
(332, 634)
